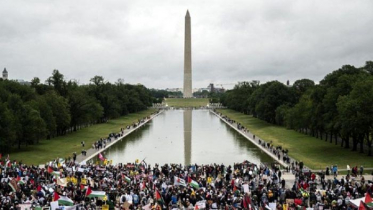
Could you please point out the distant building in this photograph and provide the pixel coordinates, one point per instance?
(23, 82)
(174, 89)
(20, 81)
(5, 74)
(213, 89)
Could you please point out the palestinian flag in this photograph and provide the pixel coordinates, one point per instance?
(53, 172)
(55, 196)
(99, 194)
(193, 183)
(21, 181)
(65, 201)
(158, 197)
(127, 179)
(368, 200)
(178, 181)
(88, 192)
(235, 190)
(365, 206)
(13, 184)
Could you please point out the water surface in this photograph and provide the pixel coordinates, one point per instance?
(186, 137)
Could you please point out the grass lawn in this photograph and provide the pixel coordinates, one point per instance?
(186, 102)
(315, 153)
(64, 146)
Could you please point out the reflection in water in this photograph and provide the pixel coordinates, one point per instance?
(187, 136)
(168, 139)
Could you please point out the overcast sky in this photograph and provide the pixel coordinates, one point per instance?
(143, 41)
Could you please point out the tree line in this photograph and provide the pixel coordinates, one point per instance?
(56, 107)
(339, 109)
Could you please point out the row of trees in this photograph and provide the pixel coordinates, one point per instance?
(339, 109)
(38, 111)
(159, 95)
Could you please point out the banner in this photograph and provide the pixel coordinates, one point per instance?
(62, 182)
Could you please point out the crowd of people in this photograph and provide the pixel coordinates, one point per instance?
(173, 186)
(140, 185)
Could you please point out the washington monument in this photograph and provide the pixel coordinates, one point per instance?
(187, 59)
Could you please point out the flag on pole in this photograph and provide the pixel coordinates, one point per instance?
(53, 172)
(56, 196)
(127, 179)
(65, 201)
(21, 181)
(178, 181)
(193, 183)
(99, 194)
(158, 197)
(367, 199)
(88, 192)
(13, 185)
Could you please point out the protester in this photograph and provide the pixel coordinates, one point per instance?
(171, 186)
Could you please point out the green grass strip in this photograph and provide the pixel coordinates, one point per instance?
(314, 152)
(186, 102)
(64, 146)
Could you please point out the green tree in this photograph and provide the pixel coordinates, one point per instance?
(356, 114)
(60, 109)
(7, 131)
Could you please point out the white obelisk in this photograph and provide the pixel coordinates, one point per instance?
(187, 59)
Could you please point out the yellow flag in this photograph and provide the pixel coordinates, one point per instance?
(137, 161)
(74, 180)
(83, 181)
(285, 206)
(209, 180)
(105, 162)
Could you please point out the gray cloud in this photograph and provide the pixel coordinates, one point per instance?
(142, 41)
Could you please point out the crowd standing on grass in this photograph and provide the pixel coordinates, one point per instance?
(172, 186)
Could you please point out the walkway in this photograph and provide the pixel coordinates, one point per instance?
(91, 152)
(250, 136)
